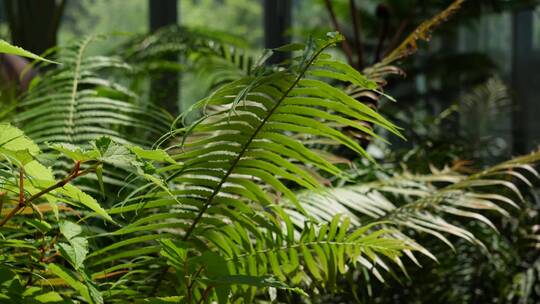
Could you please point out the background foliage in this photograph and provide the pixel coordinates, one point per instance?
(278, 184)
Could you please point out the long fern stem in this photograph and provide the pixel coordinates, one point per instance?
(251, 138)
(74, 87)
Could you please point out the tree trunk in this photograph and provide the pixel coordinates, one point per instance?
(164, 87)
(34, 24)
(277, 20)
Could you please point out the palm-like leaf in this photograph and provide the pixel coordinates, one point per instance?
(235, 149)
(215, 57)
(77, 103)
(235, 164)
(426, 203)
(222, 216)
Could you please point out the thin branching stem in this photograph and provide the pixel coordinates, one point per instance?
(248, 142)
(2, 197)
(23, 202)
(205, 294)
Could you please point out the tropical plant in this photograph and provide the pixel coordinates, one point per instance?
(77, 103)
(204, 58)
(83, 99)
(238, 207)
(32, 244)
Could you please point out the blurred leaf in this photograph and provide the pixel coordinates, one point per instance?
(7, 48)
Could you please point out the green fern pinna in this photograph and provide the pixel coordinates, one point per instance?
(235, 207)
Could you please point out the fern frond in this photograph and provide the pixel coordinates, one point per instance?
(426, 203)
(77, 103)
(422, 32)
(234, 165)
(81, 100)
(252, 141)
(216, 54)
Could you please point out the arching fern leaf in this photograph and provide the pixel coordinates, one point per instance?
(234, 164)
(428, 203)
(78, 102)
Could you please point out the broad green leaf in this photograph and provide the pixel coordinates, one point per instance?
(157, 155)
(70, 229)
(74, 253)
(77, 249)
(103, 144)
(86, 200)
(118, 156)
(16, 145)
(21, 156)
(38, 171)
(77, 196)
(49, 297)
(164, 300)
(7, 48)
(75, 153)
(71, 280)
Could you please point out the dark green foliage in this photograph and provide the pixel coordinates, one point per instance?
(248, 204)
(75, 103)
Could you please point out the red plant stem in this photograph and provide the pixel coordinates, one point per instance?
(21, 203)
(51, 258)
(48, 247)
(206, 293)
(10, 215)
(196, 276)
(2, 197)
(75, 172)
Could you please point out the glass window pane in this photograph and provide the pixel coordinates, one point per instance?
(238, 17)
(85, 17)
